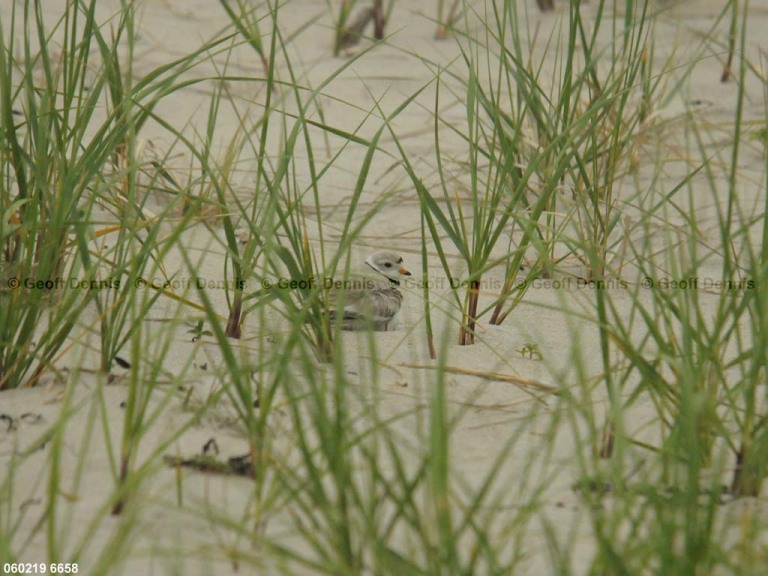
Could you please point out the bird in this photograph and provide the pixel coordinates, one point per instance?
(368, 305)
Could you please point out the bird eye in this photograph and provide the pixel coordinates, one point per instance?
(388, 264)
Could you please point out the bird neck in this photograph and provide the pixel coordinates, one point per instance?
(392, 281)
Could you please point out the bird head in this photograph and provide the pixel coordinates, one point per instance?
(389, 265)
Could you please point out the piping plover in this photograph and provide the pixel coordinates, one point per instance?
(371, 305)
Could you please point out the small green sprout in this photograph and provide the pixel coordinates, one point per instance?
(531, 350)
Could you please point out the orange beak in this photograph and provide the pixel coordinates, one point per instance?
(404, 271)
